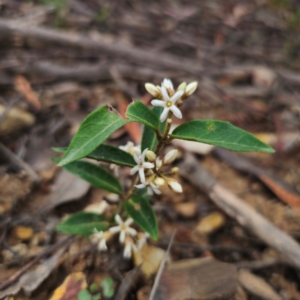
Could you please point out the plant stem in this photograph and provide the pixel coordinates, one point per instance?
(164, 137)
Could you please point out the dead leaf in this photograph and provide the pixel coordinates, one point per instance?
(149, 257)
(70, 288)
(24, 88)
(210, 223)
(186, 209)
(30, 281)
(15, 119)
(24, 233)
(68, 188)
(257, 286)
(204, 278)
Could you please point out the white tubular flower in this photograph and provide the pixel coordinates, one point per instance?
(170, 156)
(100, 238)
(152, 89)
(151, 155)
(169, 104)
(174, 185)
(130, 148)
(158, 163)
(167, 83)
(190, 88)
(151, 187)
(141, 165)
(123, 228)
(129, 248)
(182, 86)
(142, 239)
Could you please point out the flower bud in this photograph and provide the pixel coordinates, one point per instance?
(182, 86)
(191, 88)
(151, 155)
(174, 170)
(175, 186)
(170, 156)
(159, 181)
(152, 89)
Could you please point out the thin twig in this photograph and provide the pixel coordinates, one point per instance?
(18, 161)
(17, 275)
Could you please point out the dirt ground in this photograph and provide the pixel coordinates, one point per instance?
(62, 59)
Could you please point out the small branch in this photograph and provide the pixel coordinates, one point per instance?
(17, 275)
(243, 213)
(18, 161)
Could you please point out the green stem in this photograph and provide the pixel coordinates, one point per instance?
(164, 137)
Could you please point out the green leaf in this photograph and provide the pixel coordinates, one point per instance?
(84, 295)
(140, 210)
(108, 153)
(95, 175)
(83, 223)
(142, 193)
(149, 139)
(139, 112)
(93, 131)
(220, 133)
(94, 288)
(108, 287)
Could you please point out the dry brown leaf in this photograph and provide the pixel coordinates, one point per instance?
(23, 232)
(30, 281)
(149, 257)
(210, 223)
(204, 278)
(14, 120)
(257, 286)
(24, 88)
(70, 288)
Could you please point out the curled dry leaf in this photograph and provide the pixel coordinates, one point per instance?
(70, 288)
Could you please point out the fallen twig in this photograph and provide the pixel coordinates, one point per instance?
(15, 276)
(244, 214)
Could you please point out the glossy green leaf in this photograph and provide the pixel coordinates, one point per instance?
(93, 131)
(83, 223)
(139, 112)
(149, 139)
(95, 175)
(220, 133)
(108, 153)
(140, 210)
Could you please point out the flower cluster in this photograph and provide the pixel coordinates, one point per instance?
(168, 98)
(151, 172)
(128, 236)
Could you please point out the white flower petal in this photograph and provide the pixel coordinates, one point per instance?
(176, 111)
(134, 170)
(148, 165)
(175, 186)
(136, 158)
(164, 114)
(144, 154)
(102, 245)
(170, 156)
(131, 231)
(127, 251)
(118, 219)
(140, 186)
(155, 188)
(128, 221)
(122, 236)
(157, 102)
(165, 94)
(151, 88)
(168, 83)
(142, 175)
(114, 229)
(149, 191)
(191, 88)
(176, 96)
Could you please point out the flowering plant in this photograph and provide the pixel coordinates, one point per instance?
(150, 166)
